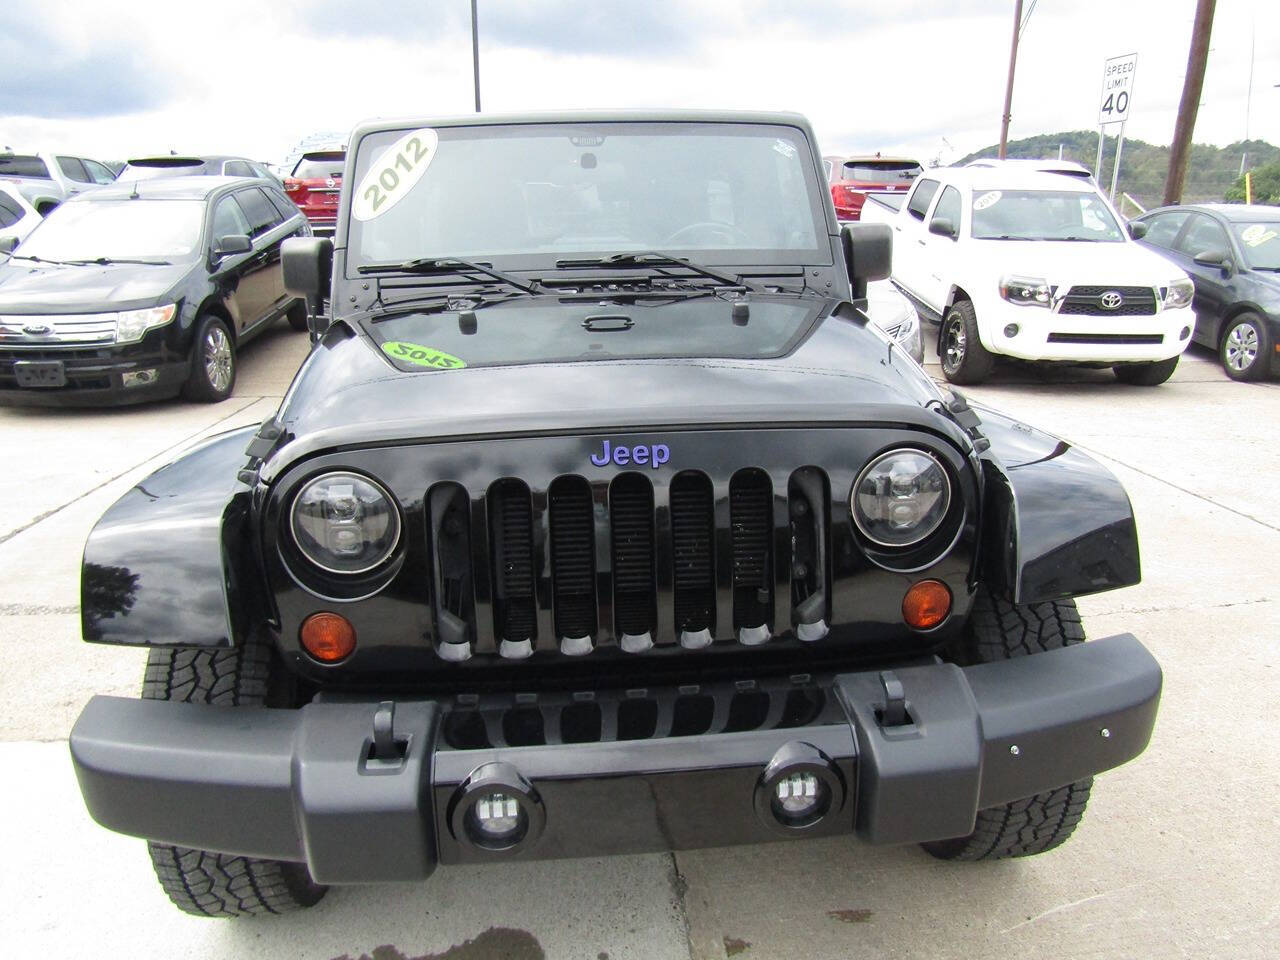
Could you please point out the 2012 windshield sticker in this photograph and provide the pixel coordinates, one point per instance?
(422, 356)
(394, 174)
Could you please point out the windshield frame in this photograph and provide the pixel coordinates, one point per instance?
(196, 251)
(543, 262)
(976, 193)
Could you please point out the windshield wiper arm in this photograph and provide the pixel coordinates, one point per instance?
(107, 261)
(655, 258)
(447, 265)
(33, 259)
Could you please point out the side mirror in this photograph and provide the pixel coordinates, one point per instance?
(868, 254)
(307, 264)
(8, 244)
(230, 245)
(943, 227)
(1213, 258)
(1137, 230)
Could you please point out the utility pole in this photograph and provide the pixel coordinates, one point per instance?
(475, 51)
(1008, 90)
(1191, 88)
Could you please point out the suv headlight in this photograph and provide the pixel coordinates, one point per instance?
(1026, 291)
(900, 498)
(1179, 293)
(132, 324)
(345, 523)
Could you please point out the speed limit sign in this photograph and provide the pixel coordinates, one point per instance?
(1117, 88)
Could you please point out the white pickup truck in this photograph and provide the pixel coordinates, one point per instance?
(1036, 266)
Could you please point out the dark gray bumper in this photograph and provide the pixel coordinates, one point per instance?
(300, 785)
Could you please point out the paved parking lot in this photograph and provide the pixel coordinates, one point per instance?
(1176, 856)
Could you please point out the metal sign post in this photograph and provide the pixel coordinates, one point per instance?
(1118, 75)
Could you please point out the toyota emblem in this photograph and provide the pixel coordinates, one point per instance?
(1111, 300)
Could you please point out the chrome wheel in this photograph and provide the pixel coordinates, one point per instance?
(218, 359)
(1241, 348)
(953, 343)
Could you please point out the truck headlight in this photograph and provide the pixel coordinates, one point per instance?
(1026, 291)
(900, 498)
(132, 324)
(1179, 293)
(345, 523)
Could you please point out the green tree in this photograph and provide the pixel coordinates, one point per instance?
(1266, 185)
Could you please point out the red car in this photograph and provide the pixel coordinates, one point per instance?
(851, 177)
(314, 186)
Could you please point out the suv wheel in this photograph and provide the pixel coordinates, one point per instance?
(1246, 347)
(999, 630)
(964, 359)
(213, 362)
(202, 882)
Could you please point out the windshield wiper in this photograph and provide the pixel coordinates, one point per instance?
(108, 261)
(427, 265)
(655, 258)
(27, 256)
(1010, 236)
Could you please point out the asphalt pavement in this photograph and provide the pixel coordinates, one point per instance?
(1176, 856)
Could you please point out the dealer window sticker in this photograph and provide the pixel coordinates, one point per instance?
(1257, 235)
(422, 355)
(987, 199)
(394, 174)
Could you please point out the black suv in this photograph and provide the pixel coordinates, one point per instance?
(600, 519)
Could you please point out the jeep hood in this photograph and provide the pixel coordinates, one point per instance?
(351, 392)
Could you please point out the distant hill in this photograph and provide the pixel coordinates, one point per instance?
(1144, 166)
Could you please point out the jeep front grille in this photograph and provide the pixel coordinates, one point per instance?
(628, 563)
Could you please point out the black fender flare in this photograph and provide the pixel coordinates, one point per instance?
(174, 562)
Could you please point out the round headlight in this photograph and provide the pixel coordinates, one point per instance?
(345, 523)
(900, 498)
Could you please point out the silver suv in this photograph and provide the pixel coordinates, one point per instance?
(46, 179)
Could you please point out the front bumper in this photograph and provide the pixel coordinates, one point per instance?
(305, 785)
(94, 378)
(1049, 335)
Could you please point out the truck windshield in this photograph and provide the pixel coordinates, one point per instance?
(117, 230)
(1042, 215)
(530, 194)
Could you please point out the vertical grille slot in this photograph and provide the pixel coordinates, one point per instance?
(692, 544)
(511, 533)
(631, 521)
(807, 505)
(573, 559)
(454, 590)
(751, 537)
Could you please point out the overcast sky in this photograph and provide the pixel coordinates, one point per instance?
(113, 81)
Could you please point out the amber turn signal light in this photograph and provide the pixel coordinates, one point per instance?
(926, 604)
(328, 637)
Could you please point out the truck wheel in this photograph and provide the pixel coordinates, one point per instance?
(213, 362)
(999, 630)
(298, 316)
(1246, 348)
(964, 359)
(202, 882)
(1150, 374)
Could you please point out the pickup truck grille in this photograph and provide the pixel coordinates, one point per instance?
(1088, 301)
(627, 563)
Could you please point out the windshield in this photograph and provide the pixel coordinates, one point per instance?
(163, 167)
(534, 193)
(1042, 215)
(315, 166)
(117, 230)
(17, 166)
(882, 171)
(1260, 243)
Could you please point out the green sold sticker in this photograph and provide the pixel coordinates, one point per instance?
(421, 356)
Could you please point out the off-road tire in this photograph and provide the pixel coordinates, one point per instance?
(1246, 350)
(298, 316)
(1150, 374)
(204, 386)
(1000, 630)
(964, 359)
(202, 882)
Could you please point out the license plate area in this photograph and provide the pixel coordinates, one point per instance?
(40, 373)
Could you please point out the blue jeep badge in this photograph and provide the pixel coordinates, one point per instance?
(641, 454)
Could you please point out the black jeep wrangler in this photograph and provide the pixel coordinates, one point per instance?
(600, 520)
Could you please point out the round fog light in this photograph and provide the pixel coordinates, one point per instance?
(1011, 330)
(496, 818)
(496, 809)
(798, 788)
(1186, 332)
